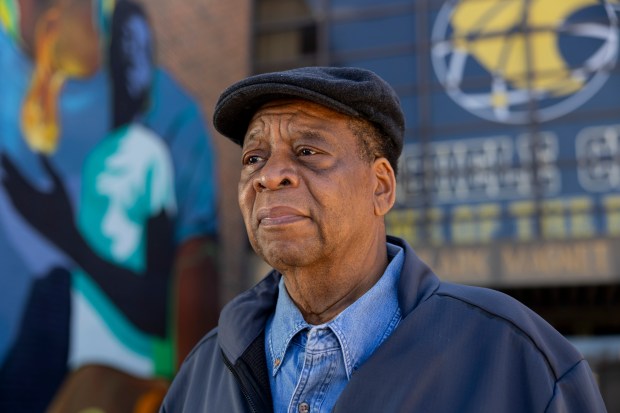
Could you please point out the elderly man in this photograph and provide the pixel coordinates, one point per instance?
(350, 320)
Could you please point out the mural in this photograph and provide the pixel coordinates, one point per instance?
(107, 179)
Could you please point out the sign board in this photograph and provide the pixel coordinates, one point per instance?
(510, 173)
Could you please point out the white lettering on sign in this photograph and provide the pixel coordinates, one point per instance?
(598, 155)
(479, 169)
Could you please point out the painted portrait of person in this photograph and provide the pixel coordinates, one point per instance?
(107, 199)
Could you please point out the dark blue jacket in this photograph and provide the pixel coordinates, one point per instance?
(458, 349)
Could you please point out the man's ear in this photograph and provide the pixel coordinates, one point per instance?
(385, 186)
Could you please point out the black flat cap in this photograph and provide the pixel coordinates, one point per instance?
(349, 90)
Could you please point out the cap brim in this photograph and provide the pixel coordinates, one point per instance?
(237, 106)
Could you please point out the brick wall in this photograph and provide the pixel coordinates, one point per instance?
(205, 44)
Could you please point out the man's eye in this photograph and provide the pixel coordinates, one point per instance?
(306, 152)
(251, 160)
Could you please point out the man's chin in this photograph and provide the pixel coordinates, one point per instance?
(286, 257)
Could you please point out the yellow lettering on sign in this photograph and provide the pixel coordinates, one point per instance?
(410, 224)
(475, 224)
(553, 221)
(612, 209)
(435, 217)
(463, 226)
(489, 221)
(402, 223)
(559, 218)
(581, 219)
(524, 213)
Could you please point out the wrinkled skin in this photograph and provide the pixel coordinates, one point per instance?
(313, 208)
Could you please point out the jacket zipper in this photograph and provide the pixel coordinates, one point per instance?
(242, 387)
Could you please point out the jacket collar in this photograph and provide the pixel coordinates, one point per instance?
(417, 280)
(244, 318)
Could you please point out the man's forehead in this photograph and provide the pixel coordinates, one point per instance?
(295, 105)
(298, 115)
(296, 111)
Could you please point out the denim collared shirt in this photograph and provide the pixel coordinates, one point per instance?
(310, 365)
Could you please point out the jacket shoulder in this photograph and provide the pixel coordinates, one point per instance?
(200, 372)
(514, 315)
(203, 345)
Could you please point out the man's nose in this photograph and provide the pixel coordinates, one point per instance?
(278, 172)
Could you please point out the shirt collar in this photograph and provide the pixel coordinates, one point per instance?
(286, 322)
(358, 334)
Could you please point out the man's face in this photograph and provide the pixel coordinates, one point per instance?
(305, 193)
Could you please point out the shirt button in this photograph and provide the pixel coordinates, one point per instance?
(303, 407)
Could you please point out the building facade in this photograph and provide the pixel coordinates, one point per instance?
(510, 175)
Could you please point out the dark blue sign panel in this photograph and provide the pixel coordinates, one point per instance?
(513, 135)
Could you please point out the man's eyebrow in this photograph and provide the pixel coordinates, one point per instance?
(252, 136)
(312, 135)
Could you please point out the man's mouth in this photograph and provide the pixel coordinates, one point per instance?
(279, 215)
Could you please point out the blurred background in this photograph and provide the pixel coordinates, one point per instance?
(120, 236)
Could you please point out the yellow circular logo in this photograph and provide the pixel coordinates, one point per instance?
(519, 61)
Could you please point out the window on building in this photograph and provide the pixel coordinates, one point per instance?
(286, 34)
